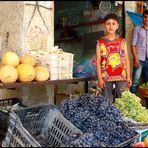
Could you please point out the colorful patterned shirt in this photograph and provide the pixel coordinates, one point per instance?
(113, 64)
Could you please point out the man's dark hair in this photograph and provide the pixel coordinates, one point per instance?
(111, 16)
(145, 12)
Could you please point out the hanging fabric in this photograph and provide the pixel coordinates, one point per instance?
(135, 17)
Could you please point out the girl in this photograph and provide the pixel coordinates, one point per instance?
(112, 61)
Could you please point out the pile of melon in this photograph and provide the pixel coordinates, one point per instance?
(24, 69)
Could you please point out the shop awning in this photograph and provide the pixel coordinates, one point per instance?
(135, 17)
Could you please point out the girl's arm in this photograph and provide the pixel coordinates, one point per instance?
(101, 83)
(129, 82)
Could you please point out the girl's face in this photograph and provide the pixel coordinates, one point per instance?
(111, 26)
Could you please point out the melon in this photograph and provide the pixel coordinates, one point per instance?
(42, 73)
(28, 60)
(10, 58)
(8, 74)
(26, 72)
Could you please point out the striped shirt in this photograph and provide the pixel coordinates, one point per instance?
(140, 40)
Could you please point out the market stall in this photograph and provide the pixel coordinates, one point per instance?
(37, 58)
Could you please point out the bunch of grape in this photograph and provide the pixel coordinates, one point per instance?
(131, 107)
(98, 117)
(83, 140)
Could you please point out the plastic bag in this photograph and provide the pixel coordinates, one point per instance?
(86, 68)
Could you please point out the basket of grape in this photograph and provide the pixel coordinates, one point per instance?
(143, 89)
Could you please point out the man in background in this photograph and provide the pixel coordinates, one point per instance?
(140, 53)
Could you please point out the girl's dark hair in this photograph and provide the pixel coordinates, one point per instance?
(111, 16)
(145, 12)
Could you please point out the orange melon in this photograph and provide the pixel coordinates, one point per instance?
(146, 141)
(8, 74)
(28, 60)
(26, 73)
(10, 58)
(42, 73)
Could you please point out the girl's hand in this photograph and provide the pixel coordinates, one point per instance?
(101, 83)
(129, 82)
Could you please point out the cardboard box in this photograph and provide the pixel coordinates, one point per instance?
(26, 25)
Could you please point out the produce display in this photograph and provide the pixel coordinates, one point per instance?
(42, 73)
(143, 90)
(141, 144)
(24, 69)
(28, 60)
(131, 107)
(8, 74)
(86, 140)
(145, 85)
(98, 119)
(26, 72)
(10, 58)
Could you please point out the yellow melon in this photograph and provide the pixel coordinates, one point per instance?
(10, 58)
(28, 60)
(42, 73)
(8, 74)
(26, 72)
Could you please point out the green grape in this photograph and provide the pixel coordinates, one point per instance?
(120, 104)
(130, 106)
(125, 113)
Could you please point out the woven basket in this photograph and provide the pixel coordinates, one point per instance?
(62, 62)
